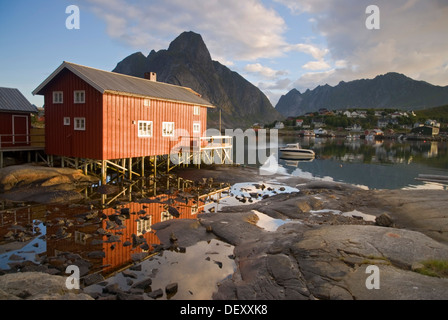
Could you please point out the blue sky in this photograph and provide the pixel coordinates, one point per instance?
(276, 44)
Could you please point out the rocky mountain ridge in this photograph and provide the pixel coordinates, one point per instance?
(391, 90)
(187, 62)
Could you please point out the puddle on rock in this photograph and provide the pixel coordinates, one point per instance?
(351, 214)
(247, 193)
(105, 240)
(49, 238)
(196, 273)
(270, 224)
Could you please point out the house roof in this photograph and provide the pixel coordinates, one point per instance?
(111, 82)
(13, 100)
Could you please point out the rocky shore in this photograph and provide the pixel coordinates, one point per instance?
(326, 255)
(34, 183)
(328, 235)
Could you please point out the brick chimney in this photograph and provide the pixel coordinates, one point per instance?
(151, 76)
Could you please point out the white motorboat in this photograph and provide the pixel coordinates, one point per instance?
(294, 150)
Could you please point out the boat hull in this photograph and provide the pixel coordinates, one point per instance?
(299, 154)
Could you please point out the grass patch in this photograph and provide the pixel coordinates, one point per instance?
(434, 268)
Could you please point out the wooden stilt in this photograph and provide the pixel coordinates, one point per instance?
(155, 166)
(103, 172)
(168, 164)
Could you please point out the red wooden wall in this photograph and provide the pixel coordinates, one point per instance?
(6, 128)
(120, 130)
(111, 122)
(63, 140)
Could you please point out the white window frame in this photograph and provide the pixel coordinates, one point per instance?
(66, 121)
(147, 102)
(165, 216)
(168, 129)
(81, 126)
(143, 131)
(58, 97)
(196, 127)
(144, 226)
(197, 110)
(81, 94)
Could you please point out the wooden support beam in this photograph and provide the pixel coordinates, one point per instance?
(103, 172)
(116, 165)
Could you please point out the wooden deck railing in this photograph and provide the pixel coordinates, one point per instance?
(11, 142)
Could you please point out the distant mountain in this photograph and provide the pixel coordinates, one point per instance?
(392, 90)
(187, 62)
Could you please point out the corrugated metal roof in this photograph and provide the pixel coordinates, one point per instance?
(105, 81)
(13, 100)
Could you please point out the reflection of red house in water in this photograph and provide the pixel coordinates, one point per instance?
(142, 216)
(117, 243)
(68, 232)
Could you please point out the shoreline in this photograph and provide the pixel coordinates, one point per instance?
(296, 260)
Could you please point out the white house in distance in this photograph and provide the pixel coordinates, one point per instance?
(299, 122)
(279, 125)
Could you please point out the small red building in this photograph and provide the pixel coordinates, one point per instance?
(95, 114)
(15, 118)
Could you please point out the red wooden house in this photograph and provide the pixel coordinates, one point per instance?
(15, 118)
(95, 114)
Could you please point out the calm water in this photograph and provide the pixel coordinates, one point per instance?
(389, 164)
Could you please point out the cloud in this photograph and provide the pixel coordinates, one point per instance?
(232, 29)
(316, 65)
(310, 49)
(263, 71)
(300, 6)
(281, 84)
(411, 40)
(312, 79)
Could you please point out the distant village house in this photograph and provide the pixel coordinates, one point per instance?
(279, 125)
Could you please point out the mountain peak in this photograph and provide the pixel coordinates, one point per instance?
(191, 44)
(390, 90)
(394, 76)
(187, 62)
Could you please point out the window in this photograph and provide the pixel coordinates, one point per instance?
(145, 128)
(165, 216)
(80, 96)
(147, 102)
(58, 97)
(80, 124)
(144, 226)
(168, 129)
(81, 237)
(196, 110)
(66, 121)
(196, 127)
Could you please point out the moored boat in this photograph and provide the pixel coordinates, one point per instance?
(294, 150)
